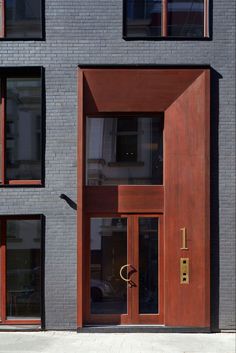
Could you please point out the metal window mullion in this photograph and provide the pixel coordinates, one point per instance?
(164, 22)
(206, 18)
(2, 14)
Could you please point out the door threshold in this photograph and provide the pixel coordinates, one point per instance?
(140, 329)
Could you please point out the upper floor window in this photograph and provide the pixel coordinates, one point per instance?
(20, 129)
(165, 18)
(124, 150)
(21, 19)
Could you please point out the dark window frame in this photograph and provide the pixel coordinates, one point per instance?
(3, 27)
(164, 26)
(23, 72)
(3, 288)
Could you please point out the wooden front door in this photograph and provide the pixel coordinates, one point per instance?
(124, 269)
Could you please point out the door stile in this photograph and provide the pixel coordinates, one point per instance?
(127, 318)
(86, 267)
(135, 291)
(161, 272)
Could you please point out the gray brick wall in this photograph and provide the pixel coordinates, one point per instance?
(90, 32)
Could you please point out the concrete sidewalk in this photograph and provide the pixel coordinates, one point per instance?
(71, 342)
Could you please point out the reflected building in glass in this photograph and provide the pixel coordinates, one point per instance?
(124, 150)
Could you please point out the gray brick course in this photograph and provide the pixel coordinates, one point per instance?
(90, 32)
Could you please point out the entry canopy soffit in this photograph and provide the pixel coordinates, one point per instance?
(135, 89)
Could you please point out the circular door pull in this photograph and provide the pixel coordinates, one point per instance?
(121, 275)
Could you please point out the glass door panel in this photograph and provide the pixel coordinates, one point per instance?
(148, 265)
(108, 253)
(125, 264)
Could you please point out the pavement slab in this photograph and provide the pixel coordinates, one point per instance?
(72, 342)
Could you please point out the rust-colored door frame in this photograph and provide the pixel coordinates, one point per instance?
(183, 94)
(132, 316)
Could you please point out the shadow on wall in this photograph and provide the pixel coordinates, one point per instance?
(214, 199)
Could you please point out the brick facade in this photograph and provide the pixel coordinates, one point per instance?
(89, 32)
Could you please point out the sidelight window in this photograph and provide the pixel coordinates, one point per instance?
(21, 129)
(21, 19)
(165, 19)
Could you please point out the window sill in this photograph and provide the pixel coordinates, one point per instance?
(22, 183)
(168, 38)
(125, 164)
(38, 39)
(20, 322)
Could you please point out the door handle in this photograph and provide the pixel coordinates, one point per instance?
(121, 275)
(130, 283)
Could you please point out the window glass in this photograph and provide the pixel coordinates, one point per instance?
(23, 269)
(1, 18)
(1, 125)
(186, 18)
(124, 150)
(23, 19)
(23, 129)
(148, 265)
(143, 18)
(127, 140)
(108, 253)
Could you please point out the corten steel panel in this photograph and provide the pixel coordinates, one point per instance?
(187, 205)
(137, 90)
(124, 199)
(183, 94)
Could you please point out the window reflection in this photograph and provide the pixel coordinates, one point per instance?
(1, 18)
(108, 246)
(23, 19)
(1, 134)
(23, 269)
(143, 18)
(124, 150)
(186, 18)
(23, 129)
(148, 265)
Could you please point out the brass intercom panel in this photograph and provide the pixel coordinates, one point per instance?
(184, 270)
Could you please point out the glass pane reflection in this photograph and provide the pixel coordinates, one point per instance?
(186, 18)
(1, 20)
(1, 125)
(148, 265)
(143, 18)
(23, 127)
(23, 19)
(23, 269)
(108, 252)
(124, 150)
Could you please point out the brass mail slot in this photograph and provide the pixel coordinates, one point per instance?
(184, 270)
